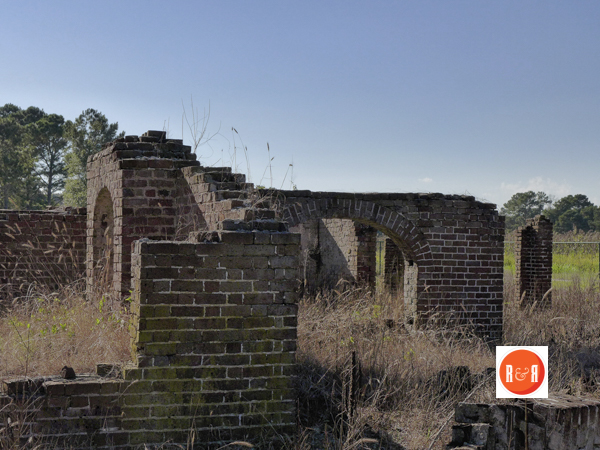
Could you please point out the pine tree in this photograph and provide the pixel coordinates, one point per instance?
(86, 135)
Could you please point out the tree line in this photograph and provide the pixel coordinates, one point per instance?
(570, 213)
(43, 157)
(43, 162)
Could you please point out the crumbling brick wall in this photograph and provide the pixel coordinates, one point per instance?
(213, 341)
(159, 191)
(42, 247)
(79, 413)
(453, 248)
(215, 317)
(152, 187)
(453, 245)
(138, 179)
(533, 261)
(557, 423)
(216, 337)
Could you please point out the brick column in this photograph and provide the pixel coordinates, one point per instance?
(393, 265)
(533, 261)
(366, 246)
(134, 181)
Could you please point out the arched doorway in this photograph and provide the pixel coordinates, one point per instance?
(103, 241)
(366, 217)
(335, 250)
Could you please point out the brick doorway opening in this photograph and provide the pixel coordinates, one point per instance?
(103, 241)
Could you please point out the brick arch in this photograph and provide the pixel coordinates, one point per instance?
(405, 234)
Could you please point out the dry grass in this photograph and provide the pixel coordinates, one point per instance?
(570, 330)
(401, 396)
(41, 333)
(410, 380)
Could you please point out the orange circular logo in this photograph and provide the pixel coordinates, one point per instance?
(522, 372)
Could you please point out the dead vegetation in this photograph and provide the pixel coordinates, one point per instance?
(42, 332)
(408, 381)
(364, 379)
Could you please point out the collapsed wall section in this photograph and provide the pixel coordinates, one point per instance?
(556, 423)
(81, 413)
(42, 247)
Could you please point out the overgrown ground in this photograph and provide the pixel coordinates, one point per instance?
(413, 380)
(402, 395)
(44, 332)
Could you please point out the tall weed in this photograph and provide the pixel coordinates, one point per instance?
(410, 380)
(41, 333)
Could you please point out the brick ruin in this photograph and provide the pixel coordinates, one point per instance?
(212, 266)
(391, 265)
(452, 248)
(533, 262)
(334, 249)
(556, 423)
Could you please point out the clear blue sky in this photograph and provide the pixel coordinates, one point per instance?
(485, 98)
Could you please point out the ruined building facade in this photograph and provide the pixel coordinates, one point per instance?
(213, 268)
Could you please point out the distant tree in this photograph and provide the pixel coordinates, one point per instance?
(30, 189)
(10, 158)
(574, 212)
(17, 177)
(29, 115)
(8, 110)
(85, 136)
(48, 144)
(595, 221)
(523, 206)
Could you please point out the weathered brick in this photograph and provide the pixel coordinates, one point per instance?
(210, 309)
(237, 238)
(286, 238)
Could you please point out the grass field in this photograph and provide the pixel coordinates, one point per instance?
(574, 257)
